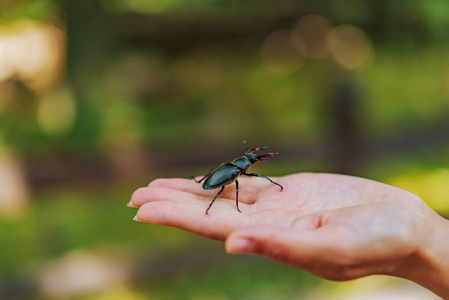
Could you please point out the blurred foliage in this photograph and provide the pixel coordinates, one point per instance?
(243, 281)
(66, 220)
(430, 186)
(197, 6)
(31, 9)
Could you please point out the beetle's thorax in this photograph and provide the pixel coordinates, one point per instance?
(252, 157)
(242, 162)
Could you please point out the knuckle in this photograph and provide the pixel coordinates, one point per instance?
(278, 254)
(138, 194)
(156, 182)
(276, 251)
(351, 272)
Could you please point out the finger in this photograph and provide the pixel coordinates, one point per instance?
(301, 248)
(158, 194)
(187, 185)
(260, 183)
(326, 253)
(218, 224)
(247, 193)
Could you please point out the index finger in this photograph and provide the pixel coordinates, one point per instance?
(218, 224)
(247, 192)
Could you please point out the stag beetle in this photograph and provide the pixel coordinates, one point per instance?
(228, 172)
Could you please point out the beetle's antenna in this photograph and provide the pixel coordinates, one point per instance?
(246, 145)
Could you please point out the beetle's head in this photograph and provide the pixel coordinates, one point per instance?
(253, 157)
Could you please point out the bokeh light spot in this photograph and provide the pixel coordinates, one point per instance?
(350, 47)
(56, 112)
(32, 52)
(309, 36)
(13, 188)
(279, 54)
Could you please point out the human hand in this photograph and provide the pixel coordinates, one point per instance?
(182, 203)
(339, 227)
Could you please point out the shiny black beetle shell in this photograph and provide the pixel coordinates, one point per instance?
(224, 174)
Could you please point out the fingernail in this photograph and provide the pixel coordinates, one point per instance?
(240, 245)
(136, 219)
(130, 204)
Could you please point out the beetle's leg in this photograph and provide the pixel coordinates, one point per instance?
(237, 195)
(261, 176)
(205, 176)
(216, 196)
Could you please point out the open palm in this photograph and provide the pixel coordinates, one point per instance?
(338, 227)
(182, 203)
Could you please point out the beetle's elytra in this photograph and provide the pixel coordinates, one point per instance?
(228, 172)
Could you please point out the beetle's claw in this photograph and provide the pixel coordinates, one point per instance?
(253, 150)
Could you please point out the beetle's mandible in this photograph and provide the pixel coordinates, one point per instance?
(228, 172)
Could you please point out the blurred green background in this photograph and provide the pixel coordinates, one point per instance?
(99, 97)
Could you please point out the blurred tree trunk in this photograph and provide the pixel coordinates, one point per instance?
(347, 143)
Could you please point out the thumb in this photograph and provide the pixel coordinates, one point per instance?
(268, 239)
(280, 244)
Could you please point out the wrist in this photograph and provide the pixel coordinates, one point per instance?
(429, 264)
